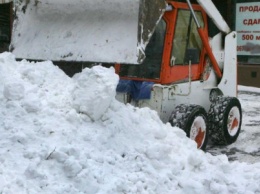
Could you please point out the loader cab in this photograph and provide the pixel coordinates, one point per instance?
(175, 52)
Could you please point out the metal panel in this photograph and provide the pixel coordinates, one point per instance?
(110, 31)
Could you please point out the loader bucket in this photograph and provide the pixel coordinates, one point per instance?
(108, 31)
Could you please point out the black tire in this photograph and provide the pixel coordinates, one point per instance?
(225, 118)
(187, 117)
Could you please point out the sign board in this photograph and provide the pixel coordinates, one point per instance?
(248, 28)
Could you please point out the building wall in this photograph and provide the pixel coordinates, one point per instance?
(248, 66)
(249, 75)
(5, 25)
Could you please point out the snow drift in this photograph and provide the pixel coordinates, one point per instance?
(70, 135)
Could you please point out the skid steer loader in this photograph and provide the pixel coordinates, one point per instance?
(189, 78)
(160, 49)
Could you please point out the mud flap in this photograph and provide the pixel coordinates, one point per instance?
(109, 31)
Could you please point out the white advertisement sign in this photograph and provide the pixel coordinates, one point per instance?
(248, 28)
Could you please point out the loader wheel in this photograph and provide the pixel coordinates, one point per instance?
(193, 120)
(225, 118)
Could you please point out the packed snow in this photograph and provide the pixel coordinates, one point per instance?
(70, 135)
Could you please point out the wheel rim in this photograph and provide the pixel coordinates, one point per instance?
(198, 131)
(233, 121)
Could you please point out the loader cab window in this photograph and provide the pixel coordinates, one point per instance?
(187, 44)
(151, 67)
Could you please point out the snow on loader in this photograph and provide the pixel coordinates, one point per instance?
(160, 49)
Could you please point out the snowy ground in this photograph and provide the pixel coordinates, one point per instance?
(69, 135)
(247, 146)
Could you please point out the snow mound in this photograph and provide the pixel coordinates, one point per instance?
(70, 135)
(94, 98)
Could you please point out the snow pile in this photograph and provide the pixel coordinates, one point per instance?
(248, 89)
(69, 135)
